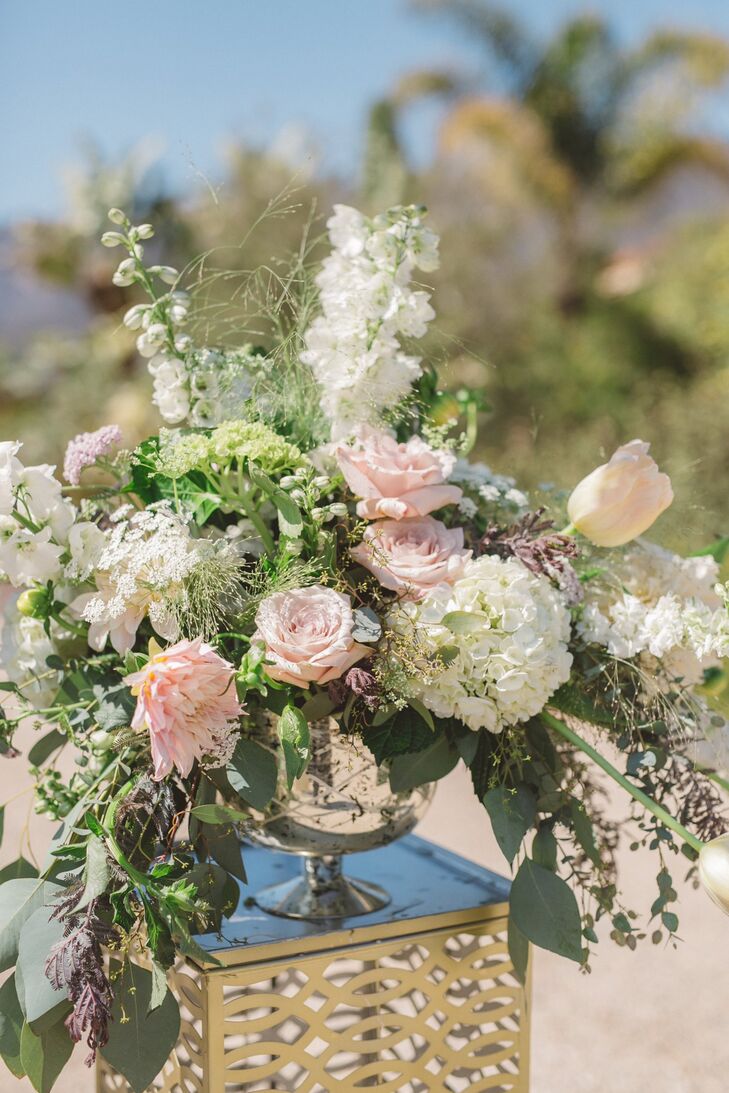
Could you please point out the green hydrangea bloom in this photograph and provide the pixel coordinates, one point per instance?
(254, 440)
(180, 453)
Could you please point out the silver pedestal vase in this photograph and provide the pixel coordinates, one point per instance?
(343, 804)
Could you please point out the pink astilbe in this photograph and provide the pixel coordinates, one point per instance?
(86, 448)
(186, 698)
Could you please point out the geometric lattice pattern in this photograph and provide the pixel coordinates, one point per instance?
(437, 1011)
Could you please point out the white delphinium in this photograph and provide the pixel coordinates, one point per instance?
(206, 387)
(502, 633)
(657, 604)
(35, 520)
(26, 644)
(368, 303)
(139, 572)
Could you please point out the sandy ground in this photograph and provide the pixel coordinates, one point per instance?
(643, 1022)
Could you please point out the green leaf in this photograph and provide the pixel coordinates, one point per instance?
(7, 685)
(224, 847)
(218, 814)
(17, 870)
(583, 830)
(466, 622)
(404, 733)
(18, 900)
(518, 950)
(2, 822)
(512, 813)
(318, 706)
(253, 772)
(718, 550)
(217, 888)
(159, 987)
(546, 911)
(293, 732)
(544, 848)
(43, 1057)
(140, 1041)
(116, 707)
(11, 1026)
(289, 517)
(44, 747)
(40, 1003)
(434, 762)
(96, 871)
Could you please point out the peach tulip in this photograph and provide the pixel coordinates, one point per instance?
(620, 499)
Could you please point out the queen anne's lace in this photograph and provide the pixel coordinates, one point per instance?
(368, 303)
(504, 668)
(140, 572)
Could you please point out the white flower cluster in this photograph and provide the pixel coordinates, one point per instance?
(659, 604)
(208, 386)
(35, 520)
(367, 303)
(502, 633)
(25, 647)
(488, 485)
(140, 570)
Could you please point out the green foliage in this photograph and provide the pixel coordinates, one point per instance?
(295, 737)
(252, 773)
(428, 765)
(141, 1036)
(44, 1056)
(512, 814)
(545, 911)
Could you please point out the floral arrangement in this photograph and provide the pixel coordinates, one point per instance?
(305, 538)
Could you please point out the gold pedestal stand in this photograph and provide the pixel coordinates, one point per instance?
(418, 996)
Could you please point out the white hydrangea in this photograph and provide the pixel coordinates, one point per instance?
(140, 571)
(504, 633)
(367, 303)
(656, 603)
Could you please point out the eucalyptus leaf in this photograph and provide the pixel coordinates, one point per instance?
(434, 762)
(367, 626)
(224, 847)
(584, 832)
(45, 747)
(18, 900)
(518, 950)
(318, 706)
(42, 1006)
(44, 1056)
(18, 870)
(252, 773)
(512, 813)
(545, 911)
(11, 1026)
(140, 1041)
(159, 987)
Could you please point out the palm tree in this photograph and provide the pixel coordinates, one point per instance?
(577, 116)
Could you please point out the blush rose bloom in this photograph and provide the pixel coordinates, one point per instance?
(186, 699)
(412, 556)
(307, 634)
(620, 499)
(394, 480)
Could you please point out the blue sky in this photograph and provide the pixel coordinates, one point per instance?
(194, 74)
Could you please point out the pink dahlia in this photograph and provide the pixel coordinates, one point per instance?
(186, 698)
(86, 448)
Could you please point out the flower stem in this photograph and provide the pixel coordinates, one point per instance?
(570, 529)
(637, 794)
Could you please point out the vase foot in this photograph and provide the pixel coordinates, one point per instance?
(323, 892)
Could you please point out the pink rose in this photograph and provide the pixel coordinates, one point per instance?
(412, 556)
(308, 635)
(186, 699)
(396, 480)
